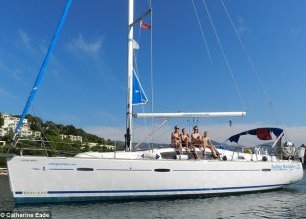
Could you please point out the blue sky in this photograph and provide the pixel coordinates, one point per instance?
(85, 82)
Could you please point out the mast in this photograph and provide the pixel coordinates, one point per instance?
(128, 135)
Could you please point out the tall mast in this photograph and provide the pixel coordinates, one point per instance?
(128, 135)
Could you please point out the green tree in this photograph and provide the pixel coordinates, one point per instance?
(8, 137)
(86, 148)
(52, 141)
(110, 142)
(69, 130)
(1, 120)
(50, 128)
(35, 122)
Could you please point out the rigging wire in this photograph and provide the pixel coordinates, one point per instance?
(259, 78)
(202, 32)
(205, 42)
(35, 110)
(151, 133)
(151, 72)
(43, 136)
(225, 57)
(151, 68)
(136, 51)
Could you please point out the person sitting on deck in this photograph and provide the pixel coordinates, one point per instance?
(207, 144)
(196, 140)
(175, 139)
(186, 143)
(185, 139)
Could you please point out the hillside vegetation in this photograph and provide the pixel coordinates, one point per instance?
(51, 143)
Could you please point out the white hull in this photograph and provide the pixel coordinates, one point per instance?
(47, 179)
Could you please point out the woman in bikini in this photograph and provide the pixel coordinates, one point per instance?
(175, 140)
(186, 143)
(207, 144)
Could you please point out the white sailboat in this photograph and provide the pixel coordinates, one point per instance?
(144, 174)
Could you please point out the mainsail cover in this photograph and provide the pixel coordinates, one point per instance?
(139, 96)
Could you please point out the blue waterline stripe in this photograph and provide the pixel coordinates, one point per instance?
(68, 199)
(162, 190)
(23, 200)
(166, 190)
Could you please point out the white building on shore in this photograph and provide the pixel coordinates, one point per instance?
(72, 137)
(10, 124)
(93, 144)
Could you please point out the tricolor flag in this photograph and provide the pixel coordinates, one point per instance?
(145, 26)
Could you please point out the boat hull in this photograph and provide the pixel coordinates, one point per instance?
(47, 179)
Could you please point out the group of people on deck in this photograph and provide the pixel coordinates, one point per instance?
(182, 140)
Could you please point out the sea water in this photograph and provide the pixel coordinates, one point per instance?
(289, 202)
